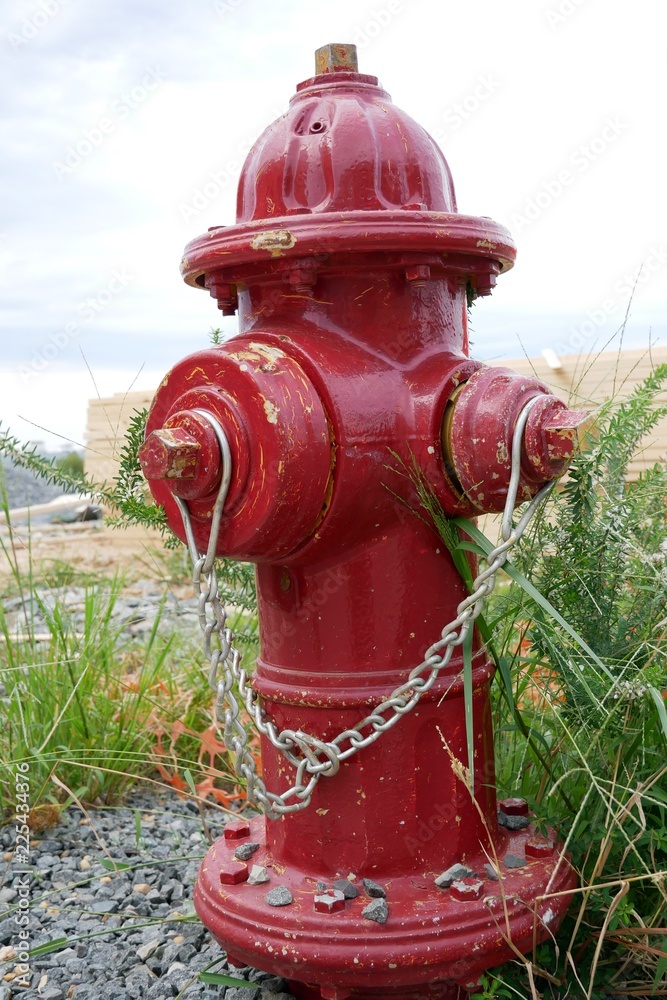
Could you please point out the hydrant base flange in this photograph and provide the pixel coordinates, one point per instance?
(429, 937)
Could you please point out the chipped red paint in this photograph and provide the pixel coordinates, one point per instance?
(350, 269)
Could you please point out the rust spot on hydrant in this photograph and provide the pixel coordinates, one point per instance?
(275, 242)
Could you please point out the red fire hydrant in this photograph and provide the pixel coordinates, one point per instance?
(288, 445)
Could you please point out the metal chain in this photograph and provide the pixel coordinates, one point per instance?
(314, 758)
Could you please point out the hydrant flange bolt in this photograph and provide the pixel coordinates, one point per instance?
(233, 873)
(513, 807)
(224, 293)
(467, 888)
(330, 902)
(417, 275)
(302, 280)
(334, 993)
(237, 830)
(539, 848)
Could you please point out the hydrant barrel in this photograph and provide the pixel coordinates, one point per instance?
(351, 271)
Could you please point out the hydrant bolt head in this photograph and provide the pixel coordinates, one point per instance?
(513, 807)
(467, 888)
(233, 873)
(538, 847)
(236, 830)
(417, 275)
(330, 902)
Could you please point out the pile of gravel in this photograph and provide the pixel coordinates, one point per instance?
(131, 933)
(24, 488)
(135, 609)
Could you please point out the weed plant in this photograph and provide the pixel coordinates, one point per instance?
(580, 720)
(578, 632)
(92, 709)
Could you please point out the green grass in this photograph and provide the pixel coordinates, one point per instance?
(579, 632)
(85, 704)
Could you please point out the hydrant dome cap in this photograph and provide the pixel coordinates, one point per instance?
(343, 171)
(343, 146)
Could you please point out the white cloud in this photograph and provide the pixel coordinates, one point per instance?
(227, 73)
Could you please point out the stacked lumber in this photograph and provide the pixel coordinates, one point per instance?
(106, 426)
(580, 380)
(586, 381)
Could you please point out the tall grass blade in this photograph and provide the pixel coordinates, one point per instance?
(532, 592)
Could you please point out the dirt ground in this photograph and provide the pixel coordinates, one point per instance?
(89, 547)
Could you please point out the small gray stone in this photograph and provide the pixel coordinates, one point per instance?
(271, 985)
(345, 886)
(245, 851)
(491, 872)
(147, 950)
(514, 861)
(280, 896)
(373, 890)
(451, 875)
(161, 990)
(51, 993)
(175, 968)
(242, 993)
(104, 906)
(512, 822)
(377, 911)
(258, 875)
(138, 981)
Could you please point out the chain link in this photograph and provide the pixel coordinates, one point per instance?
(311, 757)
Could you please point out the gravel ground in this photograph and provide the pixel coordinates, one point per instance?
(130, 934)
(24, 488)
(135, 609)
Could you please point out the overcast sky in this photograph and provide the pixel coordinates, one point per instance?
(115, 114)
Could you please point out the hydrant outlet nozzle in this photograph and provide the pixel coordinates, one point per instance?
(477, 433)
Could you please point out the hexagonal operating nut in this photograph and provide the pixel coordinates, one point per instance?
(566, 431)
(184, 455)
(553, 436)
(169, 453)
(336, 58)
